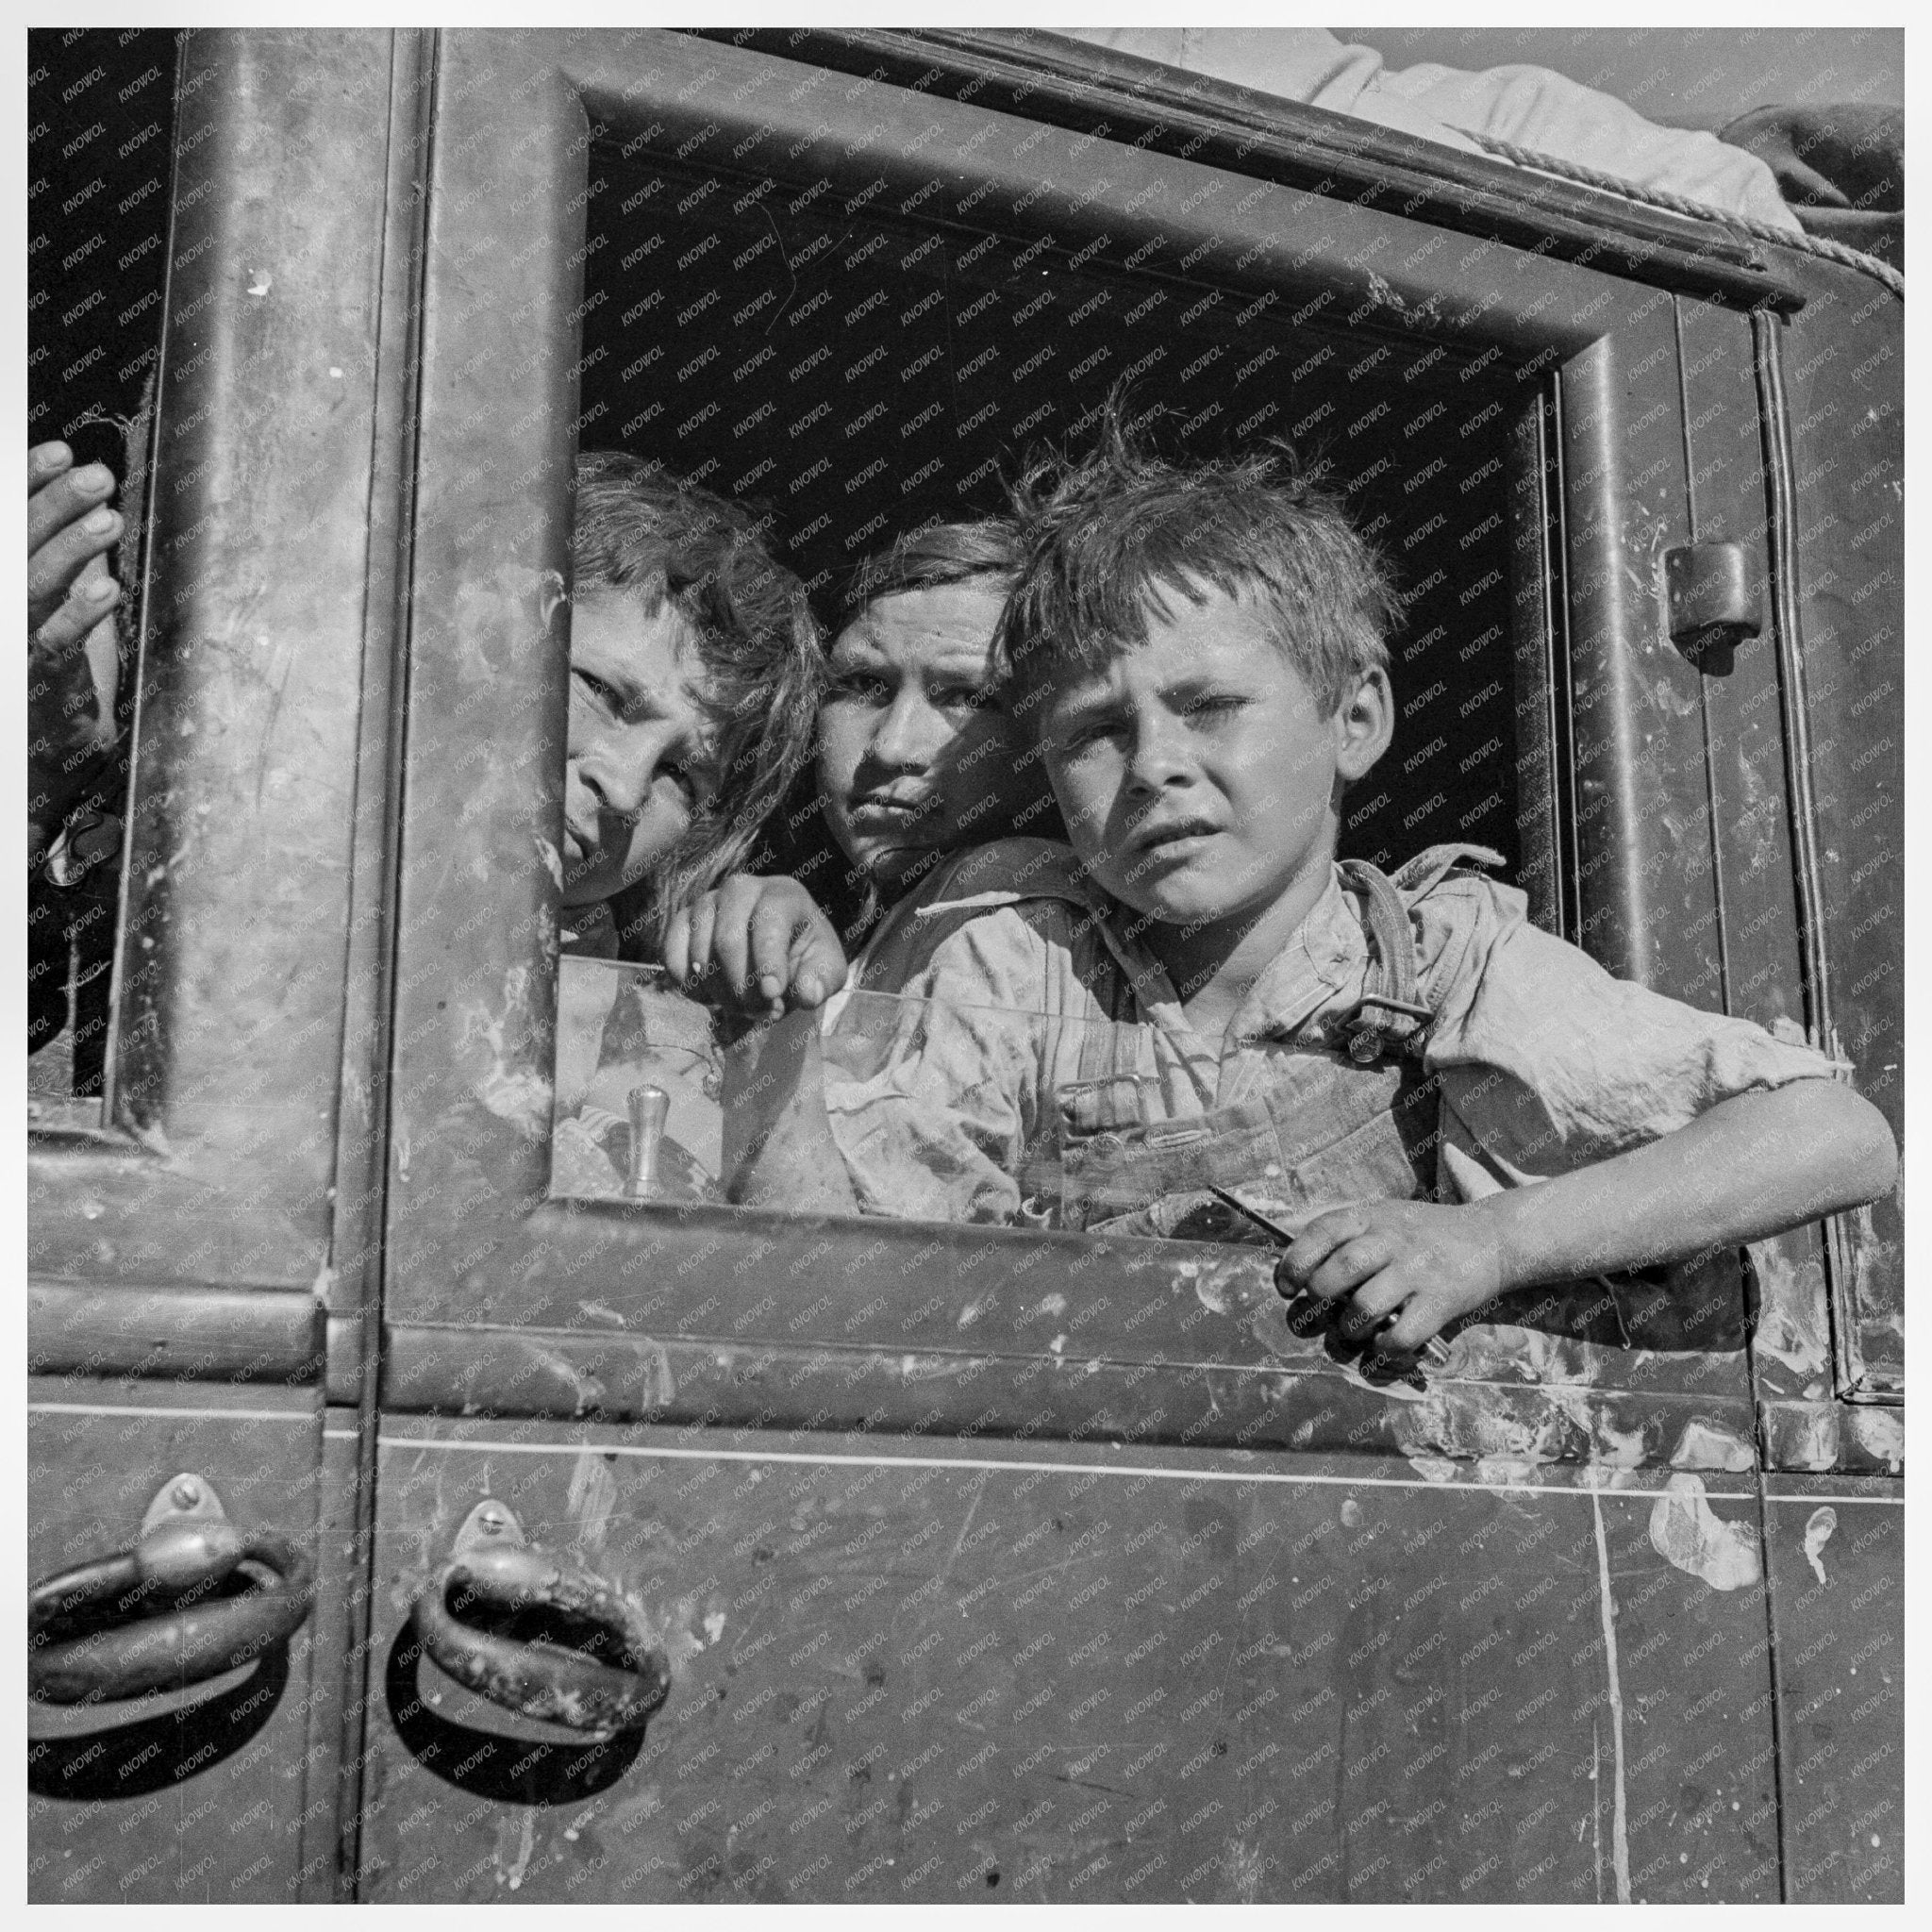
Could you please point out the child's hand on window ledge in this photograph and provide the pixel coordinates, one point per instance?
(1411, 1264)
(1752, 1165)
(767, 937)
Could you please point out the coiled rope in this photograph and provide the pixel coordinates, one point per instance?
(1699, 210)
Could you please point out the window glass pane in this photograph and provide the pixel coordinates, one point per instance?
(932, 1111)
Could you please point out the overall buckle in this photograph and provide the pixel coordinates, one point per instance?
(1366, 1036)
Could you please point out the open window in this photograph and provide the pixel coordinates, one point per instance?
(101, 109)
(848, 303)
(850, 377)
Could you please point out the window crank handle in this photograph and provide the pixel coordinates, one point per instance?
(649, 1107)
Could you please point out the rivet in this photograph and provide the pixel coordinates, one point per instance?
(490, 1519)
(186, 1493)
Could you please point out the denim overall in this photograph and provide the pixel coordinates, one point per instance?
(1353, 1118)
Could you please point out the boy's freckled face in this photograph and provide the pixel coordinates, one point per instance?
(913, 758)
(1197, 772)
(640, 752)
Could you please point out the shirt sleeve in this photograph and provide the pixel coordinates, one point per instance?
(1549, 1064)
(1530, 107)
(1534, 107)
(932, 1092)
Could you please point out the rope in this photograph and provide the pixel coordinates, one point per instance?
(1698, 210)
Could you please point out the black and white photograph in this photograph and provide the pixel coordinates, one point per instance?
(965, 964)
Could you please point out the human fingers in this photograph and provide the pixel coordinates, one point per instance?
(734, 905)
(704, 916)
(45, 462)
(1418, 1320)
(1349, 1265)
(1380, 1293)
(60, 636)
(61, 496)
(818, 963)
(677, 946)
(58, 565)
(1312, 1247)
(772, 928)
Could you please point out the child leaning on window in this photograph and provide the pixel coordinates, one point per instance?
(1384, 1062)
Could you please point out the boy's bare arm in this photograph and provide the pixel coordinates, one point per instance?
(1752, 1165)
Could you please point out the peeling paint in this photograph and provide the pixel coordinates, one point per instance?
(1811, 1442)
(1620, 1448)
(1791, 1322)
(1433, 1468)
(512, 1092)
(512, 1876)
(1505, 1471)
(1686, 1533)
(1703, 1445)
(1818, 1528)
(1620, 1836)
(1881, 1433)
(592, 1499)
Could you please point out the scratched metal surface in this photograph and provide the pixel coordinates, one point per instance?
(194, 1796)
(1736, 692)
(230, 999)
(912, 1671)
(1843, 372)
(1835, 1557)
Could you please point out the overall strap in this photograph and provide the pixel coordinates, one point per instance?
(1390, 1016)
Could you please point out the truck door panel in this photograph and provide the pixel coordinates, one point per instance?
(194, 1255)
(206, 1793)
(1838, 364)
(921, 1669)
(1835, 1565)
(636, 1385)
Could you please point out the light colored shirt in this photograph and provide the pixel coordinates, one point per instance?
(1531, 106)
(1008, 956)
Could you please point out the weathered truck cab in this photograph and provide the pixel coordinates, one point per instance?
(966, 1563)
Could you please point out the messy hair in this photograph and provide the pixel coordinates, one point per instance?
(932, 557)
(641, 531)
(1111, 536)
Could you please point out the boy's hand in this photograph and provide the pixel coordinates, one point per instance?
(1423, 1263)
(768, 936)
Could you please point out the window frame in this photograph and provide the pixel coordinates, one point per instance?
(219, 1199)
(501, 1297)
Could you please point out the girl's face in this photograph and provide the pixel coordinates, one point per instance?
(641, 760)
(915, 757)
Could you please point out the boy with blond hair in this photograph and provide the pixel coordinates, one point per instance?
(1443, 1102)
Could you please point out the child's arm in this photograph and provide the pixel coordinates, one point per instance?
(769, 937)
(1752, 1165)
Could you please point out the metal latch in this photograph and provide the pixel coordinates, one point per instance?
(1710, 596)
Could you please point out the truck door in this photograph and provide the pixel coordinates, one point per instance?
(1792, 423)
(200, 1230)
(973, 1563)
